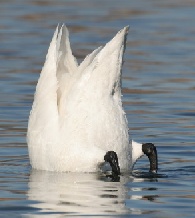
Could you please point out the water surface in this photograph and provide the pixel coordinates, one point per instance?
(158, 96)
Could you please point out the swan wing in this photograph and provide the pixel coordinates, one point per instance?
(77, 112)
(89, 59)
(66, 62)
(66, 67)
(53, 85)
(43, 119)
(94, 109)
(102, 69)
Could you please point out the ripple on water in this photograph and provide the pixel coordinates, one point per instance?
(158, 96)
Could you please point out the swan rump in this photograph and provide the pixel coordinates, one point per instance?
(77, 113)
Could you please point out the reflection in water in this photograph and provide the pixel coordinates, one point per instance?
(76, 192)
(83, 193)
(158, 95)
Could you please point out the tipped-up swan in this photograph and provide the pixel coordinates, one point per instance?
(77, 120)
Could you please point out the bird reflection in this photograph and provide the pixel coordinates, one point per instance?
(80, 193)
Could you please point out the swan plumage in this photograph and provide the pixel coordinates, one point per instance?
(77, 114)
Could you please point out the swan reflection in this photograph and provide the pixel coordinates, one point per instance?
(83, 194)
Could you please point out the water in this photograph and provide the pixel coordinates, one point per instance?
(158, 96)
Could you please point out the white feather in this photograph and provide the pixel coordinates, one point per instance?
(77, 114)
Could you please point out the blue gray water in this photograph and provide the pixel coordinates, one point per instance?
(158, 96)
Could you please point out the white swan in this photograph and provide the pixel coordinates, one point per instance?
(77, 114)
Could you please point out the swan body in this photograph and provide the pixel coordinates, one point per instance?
(77, 113)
